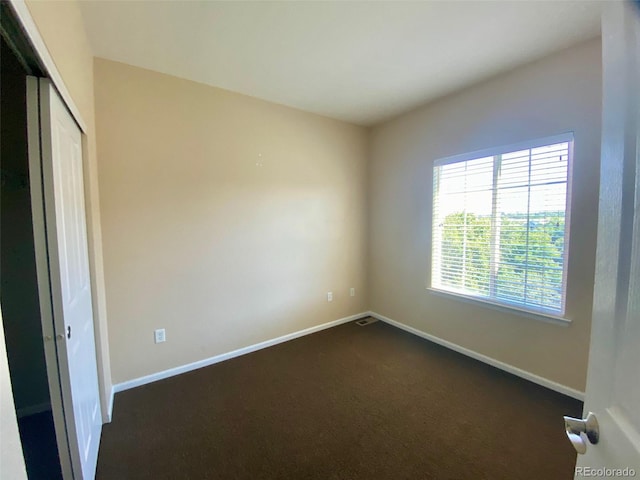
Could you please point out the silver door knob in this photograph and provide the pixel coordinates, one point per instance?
(578, 429)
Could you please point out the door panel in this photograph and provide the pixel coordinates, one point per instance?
(613, 384)
(72, 350)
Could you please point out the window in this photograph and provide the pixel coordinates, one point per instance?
(500, 225)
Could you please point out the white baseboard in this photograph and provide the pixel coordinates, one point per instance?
(136, 382)
(110, 405)
(33, 409)
(545, 382)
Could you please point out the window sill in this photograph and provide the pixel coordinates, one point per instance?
(544, 317)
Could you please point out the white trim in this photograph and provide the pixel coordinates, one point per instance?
(502, 307)
(514, 147)
(550, 384)
(33, 409)
(37, 42)
(110, 405)
(136, 382)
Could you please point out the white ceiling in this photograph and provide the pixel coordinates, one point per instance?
(362, 62)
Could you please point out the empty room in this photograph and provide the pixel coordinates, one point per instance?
(320, 240)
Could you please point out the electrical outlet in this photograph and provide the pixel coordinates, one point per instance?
(329, 296)
(160, 335)
(352, 292)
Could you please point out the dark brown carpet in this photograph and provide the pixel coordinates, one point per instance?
(350, 402)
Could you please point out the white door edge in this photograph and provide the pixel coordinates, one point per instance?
(43, 277)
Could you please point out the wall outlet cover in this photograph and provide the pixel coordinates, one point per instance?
(159, 335)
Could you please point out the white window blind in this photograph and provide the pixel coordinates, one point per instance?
(500, 225)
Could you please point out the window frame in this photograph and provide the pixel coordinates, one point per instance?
(547, 315)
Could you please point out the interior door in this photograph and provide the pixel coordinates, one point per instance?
(613, 384)
(55, 151)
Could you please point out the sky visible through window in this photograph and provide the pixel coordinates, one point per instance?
(468, 185)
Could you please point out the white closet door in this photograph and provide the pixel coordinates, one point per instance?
(71, 343)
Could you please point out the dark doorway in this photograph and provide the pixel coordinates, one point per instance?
(18, 280)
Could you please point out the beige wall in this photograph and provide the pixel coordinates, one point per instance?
(201, 241)
(11, 458)
(61, 26)
(223, 253)
(557, 94)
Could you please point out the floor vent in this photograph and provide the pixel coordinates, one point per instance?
(366, 321)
